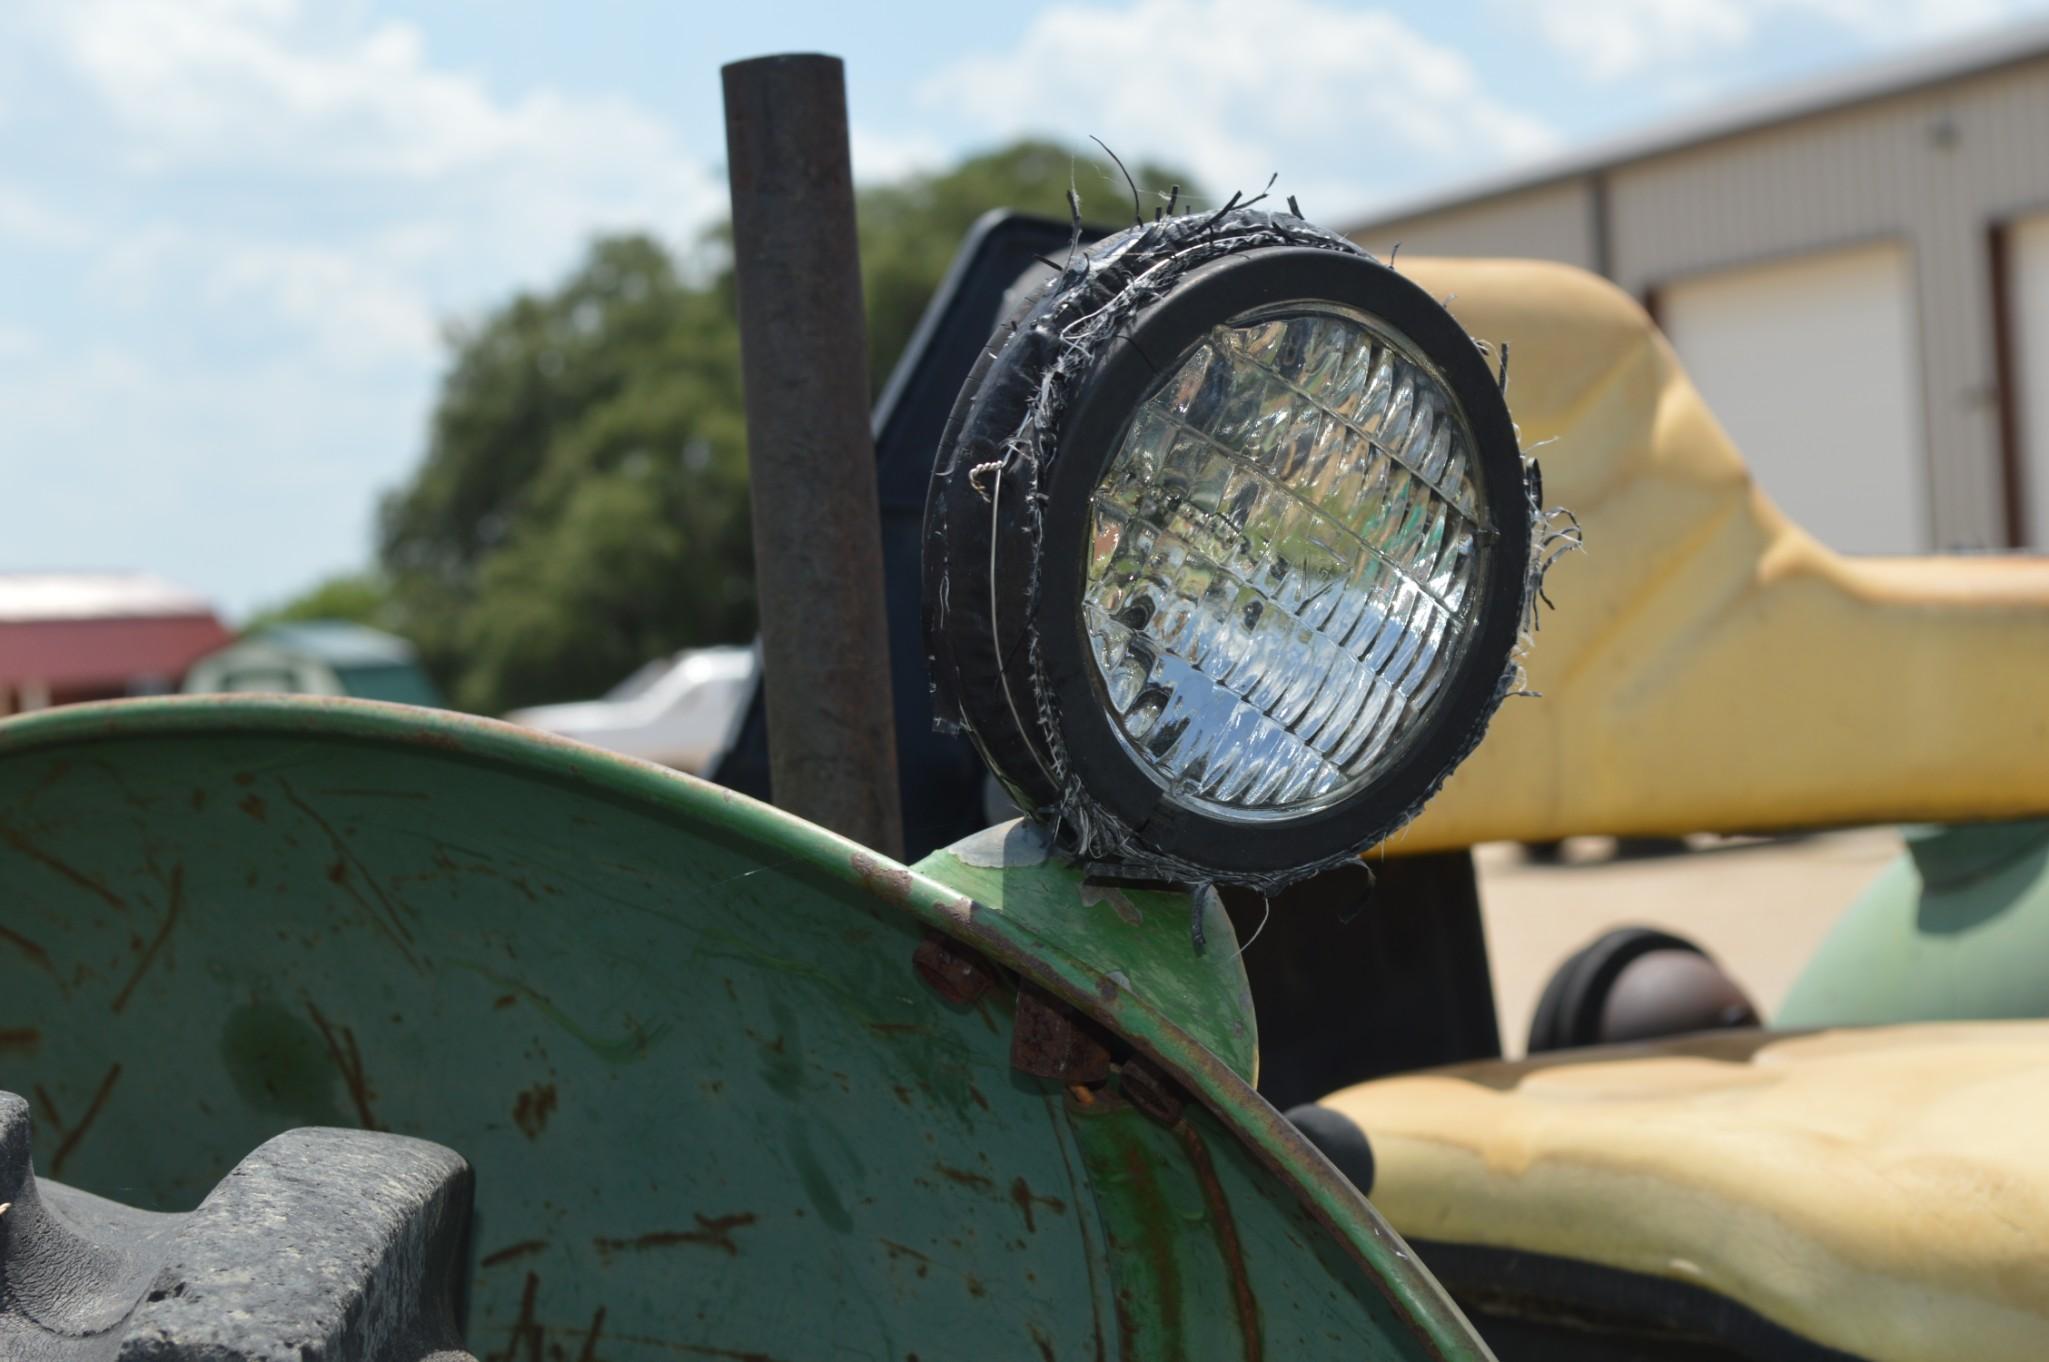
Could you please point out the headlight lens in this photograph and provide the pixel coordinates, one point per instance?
(1279, 559)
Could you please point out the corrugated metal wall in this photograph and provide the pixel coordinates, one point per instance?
(1554, 222)
(2028, 271)
(1934, 169)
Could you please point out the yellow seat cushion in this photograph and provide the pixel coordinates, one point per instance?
(1884, 1192)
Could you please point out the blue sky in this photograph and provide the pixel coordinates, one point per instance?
(232, 230)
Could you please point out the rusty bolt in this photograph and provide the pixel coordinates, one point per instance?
(1049, 1041)
(1151, 1091)
(951, 970)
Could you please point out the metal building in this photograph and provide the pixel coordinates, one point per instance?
(72, 636)
(1855, 272)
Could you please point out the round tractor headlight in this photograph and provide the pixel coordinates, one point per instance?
(1228, 550)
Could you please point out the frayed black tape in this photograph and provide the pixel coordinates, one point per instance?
(1080, 314)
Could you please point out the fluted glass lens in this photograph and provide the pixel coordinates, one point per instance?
(1281, 562)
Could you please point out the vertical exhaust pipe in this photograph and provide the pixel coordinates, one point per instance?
(810, 453)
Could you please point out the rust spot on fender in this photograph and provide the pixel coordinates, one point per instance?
(531, 1111)
(253, 806)
(527, 1336)
(1156, 1229)
(69, 1138)
(1151, 1091)
(22, 1040)
(589, 1351)
(711, 1232)
(1049, 1040)
(390, 923)
(64, 868)
(953, 971)
(37, 956)
(1022, 1195)
(888, 882)
(921, 1264)
(965, 1178)
(1225, 1227)
(524, 1248)
(341, 1048)
(684, 1348)
(149, 953)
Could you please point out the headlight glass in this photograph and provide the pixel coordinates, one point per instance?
(1280, 561)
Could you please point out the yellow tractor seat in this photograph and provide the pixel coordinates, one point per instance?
(1874, 1194)
(1710, 666)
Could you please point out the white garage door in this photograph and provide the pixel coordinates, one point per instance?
(2028, 276)
(1810, 366)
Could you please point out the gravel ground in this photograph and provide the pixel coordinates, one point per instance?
(1759, 906)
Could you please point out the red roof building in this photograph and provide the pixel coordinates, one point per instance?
(71, 636)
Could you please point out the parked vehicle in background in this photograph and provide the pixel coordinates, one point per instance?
(679, 711)
(317, 657)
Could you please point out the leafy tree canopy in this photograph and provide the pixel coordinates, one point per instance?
(581, 506)
(359, 597)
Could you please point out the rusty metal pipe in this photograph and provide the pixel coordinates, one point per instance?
(810, 455)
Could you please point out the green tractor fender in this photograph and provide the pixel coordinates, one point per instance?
(730, 1085)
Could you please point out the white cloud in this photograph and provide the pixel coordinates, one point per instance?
(28, 219)
(1331, 98)
(246, 481)
(18, 342)
(890, 156)
(274, 202)
(276, 83)
(1610, 39)
(356, 312)
(1898, 20)
(440, 194)
(129, 267)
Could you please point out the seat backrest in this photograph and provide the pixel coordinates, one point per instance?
(1710, 666)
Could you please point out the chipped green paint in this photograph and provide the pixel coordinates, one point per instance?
(1127, 940)
(711, 1107)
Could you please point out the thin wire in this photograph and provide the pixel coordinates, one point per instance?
(1267, 911)
(995, 626)
(1137, 209)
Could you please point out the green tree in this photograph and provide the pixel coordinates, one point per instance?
(582, 504)
(910, 229)
(361, 597)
